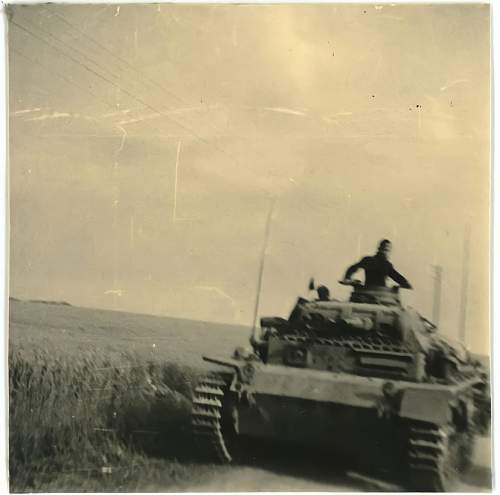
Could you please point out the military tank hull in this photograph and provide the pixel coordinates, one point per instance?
(424, 433)
(365, 395)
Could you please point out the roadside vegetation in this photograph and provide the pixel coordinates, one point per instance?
(93, 423)
(100, 400)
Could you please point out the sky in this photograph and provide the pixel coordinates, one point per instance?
(147, 144)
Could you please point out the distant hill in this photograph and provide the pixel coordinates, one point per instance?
(71, 329)
(41, 301)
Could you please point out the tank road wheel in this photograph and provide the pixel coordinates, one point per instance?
(209, 418)
(437, 456)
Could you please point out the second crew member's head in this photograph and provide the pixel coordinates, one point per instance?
(323, 293)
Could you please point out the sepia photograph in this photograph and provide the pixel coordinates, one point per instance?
(249, 247)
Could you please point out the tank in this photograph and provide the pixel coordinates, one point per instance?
(366, 377)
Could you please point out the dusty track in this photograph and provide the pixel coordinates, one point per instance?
(311, 478)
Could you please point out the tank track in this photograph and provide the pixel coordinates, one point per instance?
(432, 457)
(207, 418)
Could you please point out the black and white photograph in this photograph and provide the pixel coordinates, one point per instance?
(248, 247)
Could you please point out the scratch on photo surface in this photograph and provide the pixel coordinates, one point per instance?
(115, 292)
(53, 115)
(61, 115)
(453, 83)
(119, 112)
(28, 110)
(141, 119)
(168, 112)
(289, 111)
(215, 289)
(124, 137)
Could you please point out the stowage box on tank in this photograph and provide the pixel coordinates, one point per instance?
(368, 373)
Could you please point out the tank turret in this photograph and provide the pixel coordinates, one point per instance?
(372, 333)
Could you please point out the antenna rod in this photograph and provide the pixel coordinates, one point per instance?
(261, 267)
(465, 284)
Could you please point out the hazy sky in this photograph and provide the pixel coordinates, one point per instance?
(147, 143)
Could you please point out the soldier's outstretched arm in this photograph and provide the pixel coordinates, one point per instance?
(397, 277)
(353, 269)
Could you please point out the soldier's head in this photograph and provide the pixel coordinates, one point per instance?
(323, 293)
(384, 248)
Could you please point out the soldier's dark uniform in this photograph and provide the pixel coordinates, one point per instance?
(377, 268)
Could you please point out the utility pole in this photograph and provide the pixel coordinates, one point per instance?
(465, 285)
(436, 307)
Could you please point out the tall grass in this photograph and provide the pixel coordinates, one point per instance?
(93, 415)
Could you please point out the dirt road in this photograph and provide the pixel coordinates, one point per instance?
(310, 478)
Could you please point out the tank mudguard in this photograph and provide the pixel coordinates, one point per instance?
(434, 402)
(229, 363)
(426, 404)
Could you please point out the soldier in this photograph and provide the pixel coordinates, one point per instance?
(323, 293)
(377, 268)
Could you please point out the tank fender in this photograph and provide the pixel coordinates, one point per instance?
(427, 405)
(229, 363)
(244, 369)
